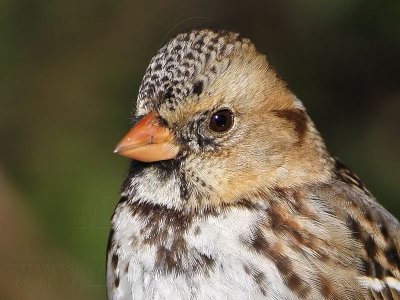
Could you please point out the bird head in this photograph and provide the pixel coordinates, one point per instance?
(214, 114)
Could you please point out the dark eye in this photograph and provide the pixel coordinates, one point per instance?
(221, 121)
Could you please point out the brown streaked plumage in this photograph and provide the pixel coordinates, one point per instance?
(232, 194)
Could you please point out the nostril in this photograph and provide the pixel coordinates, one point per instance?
(161, 122)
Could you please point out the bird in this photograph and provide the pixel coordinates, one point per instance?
(231, 192)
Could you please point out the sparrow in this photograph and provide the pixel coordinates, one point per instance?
(232, 194)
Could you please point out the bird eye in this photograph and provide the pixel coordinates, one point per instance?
(221, 121)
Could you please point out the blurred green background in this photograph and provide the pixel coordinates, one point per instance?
(70, 72)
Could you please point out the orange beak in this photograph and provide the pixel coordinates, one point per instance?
(147, 141)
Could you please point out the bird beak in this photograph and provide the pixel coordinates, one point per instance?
(148, 141)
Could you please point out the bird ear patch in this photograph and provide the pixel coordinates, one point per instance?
(297, 117)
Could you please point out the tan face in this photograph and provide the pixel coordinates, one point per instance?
(237, 132)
